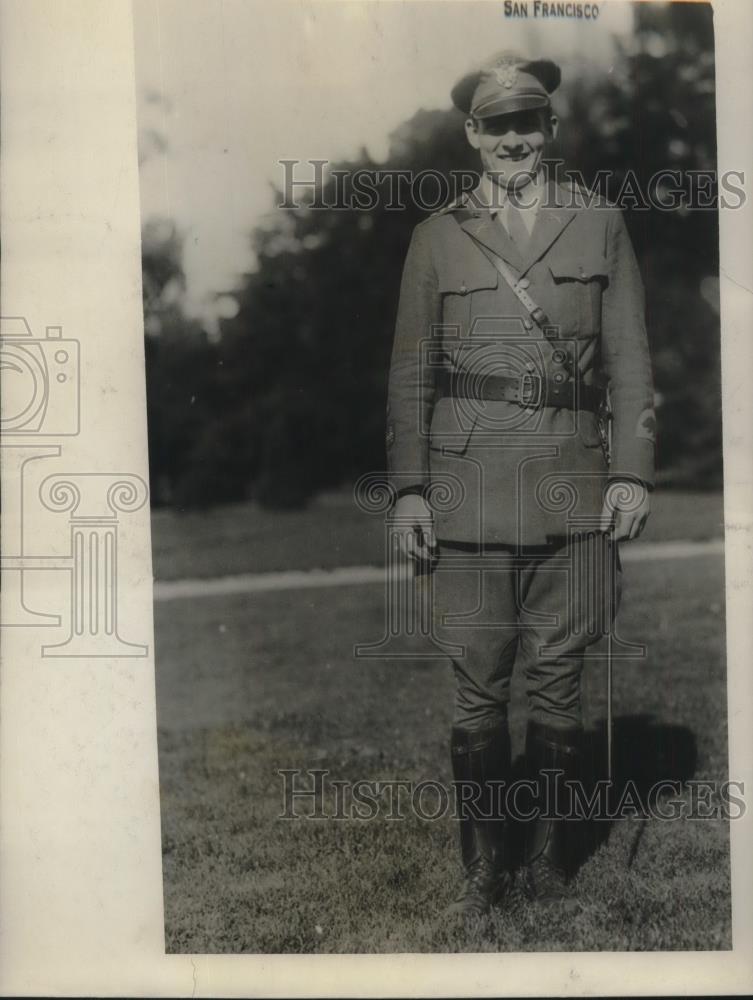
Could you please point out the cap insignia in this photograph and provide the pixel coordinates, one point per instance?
(506, 73)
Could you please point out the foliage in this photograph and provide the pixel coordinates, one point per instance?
(290, 399)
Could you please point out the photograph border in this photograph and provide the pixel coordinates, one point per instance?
(80, 852)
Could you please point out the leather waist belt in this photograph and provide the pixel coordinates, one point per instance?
(531, 391)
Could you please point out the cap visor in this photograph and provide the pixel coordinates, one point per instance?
(508, 105)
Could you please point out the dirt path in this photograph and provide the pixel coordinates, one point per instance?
(247, 583)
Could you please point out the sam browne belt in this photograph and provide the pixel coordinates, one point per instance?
(530, 390)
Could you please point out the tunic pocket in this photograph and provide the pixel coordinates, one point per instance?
(584, 276)
(451, 427)
(459, 282)
(459, 277)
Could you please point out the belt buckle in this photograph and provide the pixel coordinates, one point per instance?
(531, 391)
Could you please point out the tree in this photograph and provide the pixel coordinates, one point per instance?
(291, 399)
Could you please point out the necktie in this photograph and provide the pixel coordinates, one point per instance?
(516, 227)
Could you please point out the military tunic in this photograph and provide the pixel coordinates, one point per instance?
(457, 312)
(519, 483)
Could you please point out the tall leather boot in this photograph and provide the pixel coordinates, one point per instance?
(550, 841)
(478, 758)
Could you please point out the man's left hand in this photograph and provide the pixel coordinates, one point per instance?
(627, 504)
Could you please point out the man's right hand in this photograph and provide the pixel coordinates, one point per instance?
(414, 523)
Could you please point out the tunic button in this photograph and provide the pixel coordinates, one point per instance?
(528, 324)
(559, 377)
(559, 357)
(524, 283)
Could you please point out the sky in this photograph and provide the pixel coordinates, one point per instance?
(227, 88)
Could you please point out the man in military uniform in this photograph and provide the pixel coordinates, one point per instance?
(521, 308)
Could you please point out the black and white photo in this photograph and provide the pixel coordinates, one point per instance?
(377, 491)
(434, 410)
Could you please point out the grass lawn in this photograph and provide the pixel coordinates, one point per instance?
(332, 531)
(251, 684)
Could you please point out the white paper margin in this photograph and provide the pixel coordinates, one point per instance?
(80, 865)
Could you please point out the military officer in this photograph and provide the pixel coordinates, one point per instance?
(521, 307)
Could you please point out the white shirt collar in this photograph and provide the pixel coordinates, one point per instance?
(495, 198)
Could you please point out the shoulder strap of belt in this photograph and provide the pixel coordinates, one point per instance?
(535, 311)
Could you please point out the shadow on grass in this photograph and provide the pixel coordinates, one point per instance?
(644, 753)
